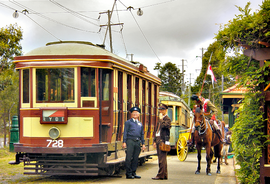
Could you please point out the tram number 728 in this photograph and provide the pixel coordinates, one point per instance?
(55, 143)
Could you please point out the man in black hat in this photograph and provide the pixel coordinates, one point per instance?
(162, 135)
(132, 140)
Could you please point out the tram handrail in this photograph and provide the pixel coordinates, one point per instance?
(184, 131)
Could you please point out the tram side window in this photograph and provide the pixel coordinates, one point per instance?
(170, 113)
(55, 85)
(176, 113)
(26, 86)
(106, 85)
(88, 82)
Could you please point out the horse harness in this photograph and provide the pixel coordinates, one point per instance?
(202, 128)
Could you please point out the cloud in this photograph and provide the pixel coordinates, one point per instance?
(168, 30)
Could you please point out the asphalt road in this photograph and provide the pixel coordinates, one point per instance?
(178, 172)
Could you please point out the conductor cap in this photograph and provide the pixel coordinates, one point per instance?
(135, 109)
(162, 107)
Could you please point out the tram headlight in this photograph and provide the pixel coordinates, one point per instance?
(54, 133)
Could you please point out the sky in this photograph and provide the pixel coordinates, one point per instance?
(167, 31)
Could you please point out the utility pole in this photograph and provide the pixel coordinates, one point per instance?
(189, 89)
(183, 76)
(222, 88)
(203, 52)
(109, 26)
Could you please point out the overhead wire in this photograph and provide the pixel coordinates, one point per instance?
(147, 6)
(83, 17)
(4, 5)
(157, 4)
(43, 28)
(47, 18)
(121, 30)
(74, 13)
(142, 32)
(25, 13)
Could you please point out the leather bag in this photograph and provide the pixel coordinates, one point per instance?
(164, 147)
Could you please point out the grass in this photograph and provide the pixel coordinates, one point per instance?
(7, 170)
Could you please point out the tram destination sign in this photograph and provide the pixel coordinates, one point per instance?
(53, 116)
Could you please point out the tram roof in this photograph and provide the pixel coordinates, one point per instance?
(171, 97)
(71, 48)
(77, 51)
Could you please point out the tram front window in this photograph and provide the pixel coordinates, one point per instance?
(26, 86)
(88, 82)
(55, 85)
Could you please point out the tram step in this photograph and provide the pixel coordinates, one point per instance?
(62, 174)
(60, 169)
(55, 161)
(62, 164)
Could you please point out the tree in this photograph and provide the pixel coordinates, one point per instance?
(248, 31)
(170, 77)
(9, 98)
(209, 91)
(9, 47)
(10, 38)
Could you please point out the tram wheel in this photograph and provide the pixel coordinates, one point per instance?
(182, 148)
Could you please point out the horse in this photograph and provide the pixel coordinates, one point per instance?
(204, 137)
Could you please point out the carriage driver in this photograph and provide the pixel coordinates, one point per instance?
(210, 112)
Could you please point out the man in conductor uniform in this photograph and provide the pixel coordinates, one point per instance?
(132, 140)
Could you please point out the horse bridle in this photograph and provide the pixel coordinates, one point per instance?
(201, 126)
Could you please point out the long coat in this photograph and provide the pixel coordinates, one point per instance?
(164, 126)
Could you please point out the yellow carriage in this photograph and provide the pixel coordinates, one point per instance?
(182, 144)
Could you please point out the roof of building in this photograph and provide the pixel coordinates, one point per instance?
(235, 89)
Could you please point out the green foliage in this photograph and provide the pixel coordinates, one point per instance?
(246, 29)
(10, 47)
(170, 77)
(248, 137)
(10, 38)
(218, 56)
(9, 97)
(250, 31)
(209, 91)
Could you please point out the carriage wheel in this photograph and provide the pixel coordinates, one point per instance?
(182, 148)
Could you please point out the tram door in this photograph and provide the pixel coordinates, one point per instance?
(129, 99)
(105, 79)
(120, 106)
(137, 92)
(154, 117)
(143, 109)
(149, 107)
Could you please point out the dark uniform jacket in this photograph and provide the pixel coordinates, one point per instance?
(133, 131)
(164, 126)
